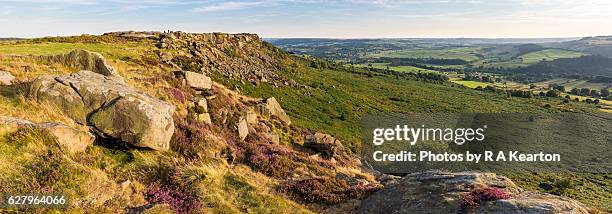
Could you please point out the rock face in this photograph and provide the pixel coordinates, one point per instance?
(198, 81)
(271, 107)
(234, 56)
(112, 108)
(85, 60)
(439, 192)
(6, 78)
(323, 143)
(70, 139)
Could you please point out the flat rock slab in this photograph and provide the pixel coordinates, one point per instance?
(68, 138)
(197, 80)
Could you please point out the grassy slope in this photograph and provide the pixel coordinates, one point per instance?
(111, 51)
(335, 100)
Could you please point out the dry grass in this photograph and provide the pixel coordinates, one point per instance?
(23, 108)
(26, 68)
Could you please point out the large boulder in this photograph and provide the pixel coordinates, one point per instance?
(441, 192)
(112, 108)
(6, 78)
(85, 60)
(69, 139)
(271, 107)
(197, 80)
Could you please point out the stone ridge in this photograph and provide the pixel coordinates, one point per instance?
(234, 56)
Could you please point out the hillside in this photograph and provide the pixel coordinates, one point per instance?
(599, 45)
(584, 66)
(188, 123)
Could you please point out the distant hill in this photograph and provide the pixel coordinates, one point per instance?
(600, 45)
(10, 39)
(590, 65)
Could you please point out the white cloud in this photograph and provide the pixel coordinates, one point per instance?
(224, 6)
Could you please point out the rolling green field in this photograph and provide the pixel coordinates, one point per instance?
(529, 58)
(572, 83)
(548, 55)
(464, 53)
(471, 84)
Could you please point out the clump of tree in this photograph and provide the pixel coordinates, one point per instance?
(509, 92)
(553, 93)
(603, 94)
(557, 87)
(472, 76)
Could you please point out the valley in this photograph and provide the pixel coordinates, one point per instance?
(508, 65)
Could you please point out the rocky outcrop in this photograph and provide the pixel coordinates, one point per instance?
(271, 107)
(112, 108)
(234, 56)
(198, 81)
(6, 78)
(133, 34)
(440, 192)
(85, 60)
(323, 143)
(68, 138)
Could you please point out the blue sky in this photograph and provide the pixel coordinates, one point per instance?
(312, 18)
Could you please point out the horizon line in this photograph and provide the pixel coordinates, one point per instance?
(322, 37)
